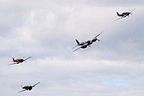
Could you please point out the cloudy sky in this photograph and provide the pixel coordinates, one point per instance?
(47, 29)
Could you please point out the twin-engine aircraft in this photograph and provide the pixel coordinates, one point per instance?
(28, 88)
(87, 43)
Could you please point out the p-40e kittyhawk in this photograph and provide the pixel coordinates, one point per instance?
(87, 43)
(28, 88)
(19, 60)
(124, 14)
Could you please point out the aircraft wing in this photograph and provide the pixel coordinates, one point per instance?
(132, 10)
(74, 46)
(98, 35)
(21, 91)
(76, 49)
(35, 84)
(13, 63)
(119, 18)
(27, 58)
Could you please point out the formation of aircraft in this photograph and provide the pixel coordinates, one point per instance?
(82, 45)
(28, 88)
(87, 43)
(19, 60)
(124, 14)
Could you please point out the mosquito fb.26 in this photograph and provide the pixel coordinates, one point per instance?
(86, 43)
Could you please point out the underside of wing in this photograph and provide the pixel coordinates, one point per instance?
(119, 18)
(75, 46)
(21, 91)
(13, 63)
(98, 34)
(76, 49)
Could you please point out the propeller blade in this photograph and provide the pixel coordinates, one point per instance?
(98, 40)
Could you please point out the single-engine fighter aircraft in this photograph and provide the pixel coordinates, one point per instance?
(84, 45)
(124, 14)
(19, 60)
(29, 88)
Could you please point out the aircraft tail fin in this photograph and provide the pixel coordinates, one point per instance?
(13, 59)
(118, 14)
(77, 42)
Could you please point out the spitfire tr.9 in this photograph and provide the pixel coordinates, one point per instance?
(19, 60)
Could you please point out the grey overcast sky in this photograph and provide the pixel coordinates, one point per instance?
(47, 29)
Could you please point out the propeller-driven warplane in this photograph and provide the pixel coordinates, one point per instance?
(124, 14)
(87, 43)
(83, 46)
(19, 60)
(28, 88)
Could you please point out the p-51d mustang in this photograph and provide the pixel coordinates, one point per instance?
(19, 60)
(124, 14)
(84, 45)
(29, 88)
